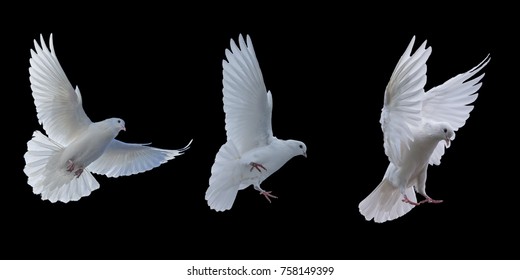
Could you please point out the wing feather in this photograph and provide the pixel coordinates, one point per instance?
(58, 105)
(450, 102)
(123, 159)
(402, 105)
(247, 103)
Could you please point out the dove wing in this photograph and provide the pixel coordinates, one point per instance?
(247, 103)
(123, 159)
(450, 101)
(402, 101)
(58, 105)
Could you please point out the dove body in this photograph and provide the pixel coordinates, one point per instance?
(272, 157)
(415, 123)
(89, 145)
(251, 153)
(59, 166)
(413, 170)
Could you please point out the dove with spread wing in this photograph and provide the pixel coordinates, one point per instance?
(59, 165)
(251, 153)
(417, 127)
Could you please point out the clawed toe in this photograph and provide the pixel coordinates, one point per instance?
(78, 172)
(426, 200)
(267, 195)
(406, 200)
(430, 200)
(257, 166)
(70, 165)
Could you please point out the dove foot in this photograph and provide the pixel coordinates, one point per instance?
(78, 172)
(406, 200)
(70, 165)
(430, 200)
(267, 195)
(257, 166)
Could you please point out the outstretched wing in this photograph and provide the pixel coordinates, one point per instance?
(58, 105)
(402, 105)
(247, 103)
(123, 159)
(450, 101)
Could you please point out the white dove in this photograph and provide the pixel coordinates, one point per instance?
(59, 166)
(251, 153)
(415, 125)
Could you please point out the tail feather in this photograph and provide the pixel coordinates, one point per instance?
(384, 203)
(225, 178)
(73, 190)
(54, 184)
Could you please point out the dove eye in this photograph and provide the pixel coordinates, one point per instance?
(118, 121)
(445, 130)
(301, 146)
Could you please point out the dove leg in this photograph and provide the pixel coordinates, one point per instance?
(78, 172)
(430, 200)
(70, 165)
(257, 166)
(421, 189)
(407, 200)
(267, 195)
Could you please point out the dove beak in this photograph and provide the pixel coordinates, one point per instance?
(448, 142)
(305, 155)
(123, 128)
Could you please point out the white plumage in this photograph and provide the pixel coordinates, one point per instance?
(251, 153)
(59, 166)
(414, 124)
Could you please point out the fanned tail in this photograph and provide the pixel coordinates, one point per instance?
(384, 203)
(54, 184)
(225, 178)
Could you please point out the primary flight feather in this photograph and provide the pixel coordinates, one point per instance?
(417, 127)
(251, 153)
(59, 165)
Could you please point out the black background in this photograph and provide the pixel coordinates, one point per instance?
(160, 69)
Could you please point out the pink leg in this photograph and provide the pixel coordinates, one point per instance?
(268, 195)
(430, 200)
(70, 165)
(78, 172)
(406, 200)
(257, 166)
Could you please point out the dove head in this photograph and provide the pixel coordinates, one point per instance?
(116, 124)
(298, 147)
(445, 132)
